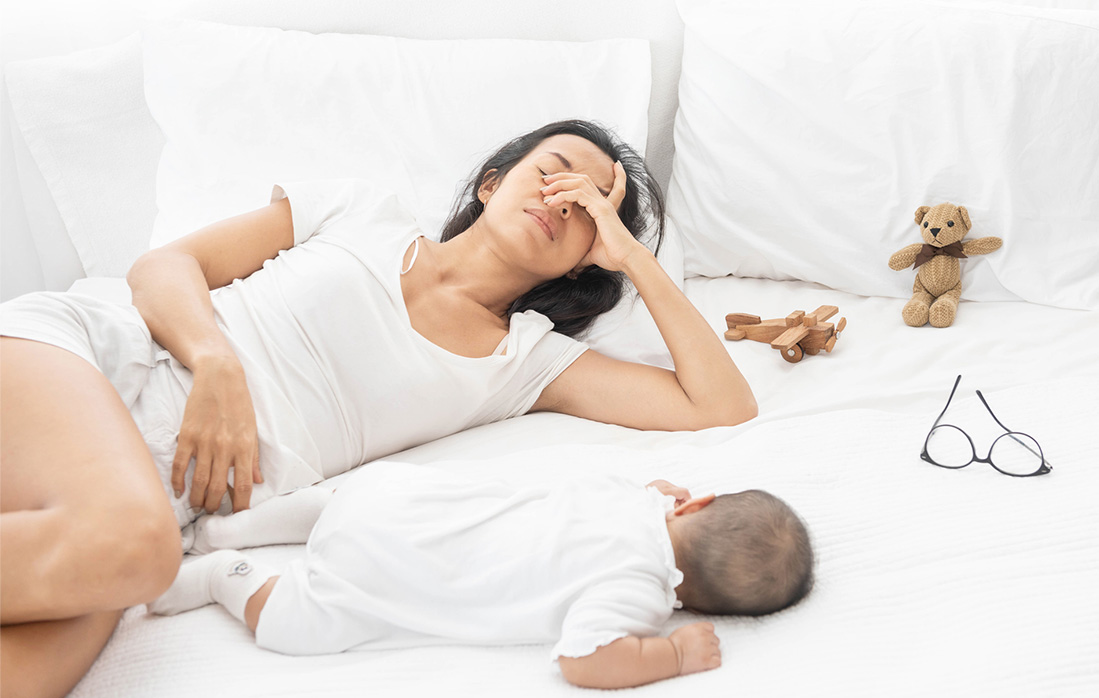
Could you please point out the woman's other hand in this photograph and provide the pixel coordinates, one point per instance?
(218, 432)
(613, 245)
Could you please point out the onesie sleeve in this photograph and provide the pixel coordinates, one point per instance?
(614, 609)
(317, 206)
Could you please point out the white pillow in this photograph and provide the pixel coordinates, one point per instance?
(242, 107)
(84, 121)
(809, 133)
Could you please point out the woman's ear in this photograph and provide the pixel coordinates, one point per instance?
(488, 186)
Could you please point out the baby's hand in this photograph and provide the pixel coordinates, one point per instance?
(666, 488)
(698, 648)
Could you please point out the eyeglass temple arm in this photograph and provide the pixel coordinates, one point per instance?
(1009, 431)
(939, 418)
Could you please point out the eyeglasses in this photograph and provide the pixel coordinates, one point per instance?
(1014, 453)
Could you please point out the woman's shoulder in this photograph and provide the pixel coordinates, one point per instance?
(345, 206)
(341, 195)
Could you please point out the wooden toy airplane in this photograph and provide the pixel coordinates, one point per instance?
(795, 335)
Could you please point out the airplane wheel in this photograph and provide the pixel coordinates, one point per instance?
(794, 354)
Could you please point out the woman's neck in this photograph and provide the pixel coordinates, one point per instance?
(468, 266)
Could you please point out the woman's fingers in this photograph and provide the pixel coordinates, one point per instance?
(210, 480)
(182, 459)
(257, 476)
(581, 190)
(218, 483)
(240, 492)
(576, 196)
(200, 480)
(245, 470)
(618, 189)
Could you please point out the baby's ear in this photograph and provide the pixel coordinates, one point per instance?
(693, 505)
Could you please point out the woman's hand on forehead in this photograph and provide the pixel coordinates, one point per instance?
(613, 244)
(569, 181)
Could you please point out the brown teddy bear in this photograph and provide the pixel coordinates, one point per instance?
(938, 274)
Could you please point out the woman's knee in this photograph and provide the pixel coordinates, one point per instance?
(139, 546)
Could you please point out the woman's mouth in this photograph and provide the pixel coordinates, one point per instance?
(543, 222)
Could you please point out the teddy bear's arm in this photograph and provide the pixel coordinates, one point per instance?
(905, 258)
(981, 245)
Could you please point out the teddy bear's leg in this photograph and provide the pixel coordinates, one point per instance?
(915, 311)
(945, 307)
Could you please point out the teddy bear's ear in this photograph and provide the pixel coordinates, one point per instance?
(920, 213)
(965, 218)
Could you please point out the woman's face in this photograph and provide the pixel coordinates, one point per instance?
(550, 242)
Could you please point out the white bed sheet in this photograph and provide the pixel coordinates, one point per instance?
(929, 581)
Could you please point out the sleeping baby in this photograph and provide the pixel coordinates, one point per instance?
(412, 555)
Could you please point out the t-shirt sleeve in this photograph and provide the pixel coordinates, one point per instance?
(550, 354)
(317, 206)
(614, 609)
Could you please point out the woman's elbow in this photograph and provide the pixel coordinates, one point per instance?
(729, 413)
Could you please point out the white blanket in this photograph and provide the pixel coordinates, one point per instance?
(929, 581)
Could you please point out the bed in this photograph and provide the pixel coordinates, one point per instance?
(800, 155)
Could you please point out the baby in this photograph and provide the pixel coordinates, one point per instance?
(411, 555)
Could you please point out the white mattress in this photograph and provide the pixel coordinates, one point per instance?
(929, 581)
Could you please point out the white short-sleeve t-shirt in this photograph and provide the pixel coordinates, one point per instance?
(411, 555)
(337, 373)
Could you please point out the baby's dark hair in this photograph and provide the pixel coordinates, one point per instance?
(746, 554)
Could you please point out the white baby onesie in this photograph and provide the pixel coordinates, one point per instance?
(410, 555)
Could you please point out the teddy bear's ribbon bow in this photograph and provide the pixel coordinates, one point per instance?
(928, 252)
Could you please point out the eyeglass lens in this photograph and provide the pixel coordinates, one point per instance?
(1016, 454)
(949, 447)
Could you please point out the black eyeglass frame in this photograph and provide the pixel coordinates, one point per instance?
(1044, 468)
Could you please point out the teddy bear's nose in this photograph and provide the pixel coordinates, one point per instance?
(935, 231)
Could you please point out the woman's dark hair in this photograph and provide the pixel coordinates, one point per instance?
(572, 304)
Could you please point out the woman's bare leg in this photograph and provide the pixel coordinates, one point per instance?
(85, 524)
(31, 653)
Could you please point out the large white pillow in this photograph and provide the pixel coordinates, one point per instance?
(809, 132)
(242, 107)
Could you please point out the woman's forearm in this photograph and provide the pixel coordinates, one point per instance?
(703, 367)
(171, 294)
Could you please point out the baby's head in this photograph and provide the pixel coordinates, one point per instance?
(741, 554)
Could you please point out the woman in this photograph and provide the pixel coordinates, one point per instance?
(324, 343)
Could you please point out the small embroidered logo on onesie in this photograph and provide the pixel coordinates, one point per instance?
(242, 568)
